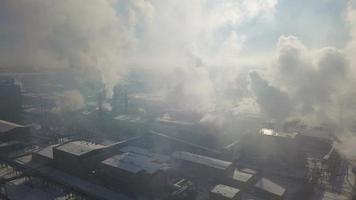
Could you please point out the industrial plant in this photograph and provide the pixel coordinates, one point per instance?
(177, 100)
(119, 153)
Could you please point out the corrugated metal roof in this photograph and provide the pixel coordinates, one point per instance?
(225, 191)
(203, 160)
(6, 126)
(136, 160)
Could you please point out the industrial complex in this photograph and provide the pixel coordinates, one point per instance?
(132, 156)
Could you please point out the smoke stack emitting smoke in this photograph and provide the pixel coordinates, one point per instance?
(69, 101)
(189, 39)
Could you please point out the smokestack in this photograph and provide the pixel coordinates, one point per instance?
(125, 101)
(101, 94)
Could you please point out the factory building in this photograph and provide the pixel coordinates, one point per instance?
(224, 192)
(76, 157)
(12, 131)
(197, 165)
(136, 168)
(11, 99)
(70, 155)
(12, 135)
(269, 148)
(79, 156)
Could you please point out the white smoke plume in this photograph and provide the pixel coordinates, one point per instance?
(315, 86)
(114, 36)
(59, 34)
(193, 44)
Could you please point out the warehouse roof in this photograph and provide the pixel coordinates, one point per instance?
(136, 162)
(271, 132)
(79, 148)
(225, 191)
(144, 152)
(6, 126)
(270, 187)
(202, 160)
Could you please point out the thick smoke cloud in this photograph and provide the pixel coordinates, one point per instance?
(311, 84)
(273, 102)
(58, 34)
(193, 45)
(312, 79)
(115, 36)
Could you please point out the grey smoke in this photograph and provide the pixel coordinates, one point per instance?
(274, 103)
(313, 80)
(69, 101)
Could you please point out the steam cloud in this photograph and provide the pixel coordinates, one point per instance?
(69, 101)
(55, 34)
(192, 45)
(113, 36)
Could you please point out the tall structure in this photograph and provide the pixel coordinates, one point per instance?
(120, 100)
(11, 99)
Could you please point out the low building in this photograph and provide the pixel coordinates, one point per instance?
(44, 155)
(197, 165)
(272, 149)
(136, 168)
(13, 137)
(269, 190)
(223, 192)
(10, 131)
(11, 99)
(71, 155)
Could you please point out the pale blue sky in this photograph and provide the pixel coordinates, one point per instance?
(317, 23)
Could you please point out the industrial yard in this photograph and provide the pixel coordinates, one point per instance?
(177, 100)
(39, 162)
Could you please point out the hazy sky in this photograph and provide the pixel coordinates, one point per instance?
(250, 28)
(303, 50)
(317, 23)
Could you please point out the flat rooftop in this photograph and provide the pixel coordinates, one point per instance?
(202, 160)
(270, 187)
(225, 191)
(241, 176)
(79, 148)
(135, 160)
